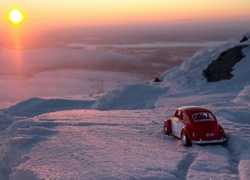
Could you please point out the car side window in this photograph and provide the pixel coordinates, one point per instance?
(184, 117)
(179, 114)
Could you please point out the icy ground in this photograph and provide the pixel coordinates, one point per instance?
(119, 135)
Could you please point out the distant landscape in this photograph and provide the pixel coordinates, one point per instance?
(86, 86)
(72, 113)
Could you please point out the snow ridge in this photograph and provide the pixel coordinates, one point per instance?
(36, 106)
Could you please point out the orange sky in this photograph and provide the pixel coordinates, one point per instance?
(82, 12)
(50, 14)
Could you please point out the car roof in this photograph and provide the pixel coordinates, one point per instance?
(193, 109)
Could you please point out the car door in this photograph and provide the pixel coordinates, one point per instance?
(175, 123)
(182, 122)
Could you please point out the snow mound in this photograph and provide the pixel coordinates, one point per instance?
(23, 135)
(244, 96)
(135, 96)
(36, 106)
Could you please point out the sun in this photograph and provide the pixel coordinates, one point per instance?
(16, 16)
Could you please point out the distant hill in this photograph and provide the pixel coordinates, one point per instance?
(222, 69)
(213, 69)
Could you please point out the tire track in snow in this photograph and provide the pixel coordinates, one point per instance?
(237, 148)
(234, 160)
(237, 126)
(184, 165)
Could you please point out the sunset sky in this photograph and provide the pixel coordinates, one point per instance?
(88, 12)
(55, 14)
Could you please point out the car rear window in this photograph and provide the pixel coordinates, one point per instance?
(203, 116)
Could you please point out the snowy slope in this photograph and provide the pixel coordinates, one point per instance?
(185, 79)
(189, 74)
(119, 135)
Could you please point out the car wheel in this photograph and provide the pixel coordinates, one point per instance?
(165, 130)
(185, 140)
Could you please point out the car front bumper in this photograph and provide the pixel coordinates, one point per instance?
(210, 141)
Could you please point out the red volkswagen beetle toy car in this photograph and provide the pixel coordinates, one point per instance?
(194, 124)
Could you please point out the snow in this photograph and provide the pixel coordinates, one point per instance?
(116, 133)
(244, 96)
(190, 72)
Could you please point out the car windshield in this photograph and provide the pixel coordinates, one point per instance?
(203, 116)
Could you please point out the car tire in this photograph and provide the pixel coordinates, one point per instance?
(165, 130)
(185, 140)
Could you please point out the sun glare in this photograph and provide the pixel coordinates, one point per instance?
(16, 16)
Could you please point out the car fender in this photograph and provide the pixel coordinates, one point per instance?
(219, 131)
(169, 125)
(219, 127)
(188, 131)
